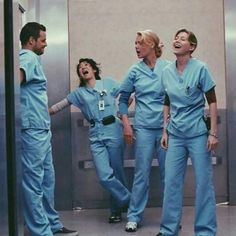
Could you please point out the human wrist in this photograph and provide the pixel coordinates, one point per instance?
(213, 133)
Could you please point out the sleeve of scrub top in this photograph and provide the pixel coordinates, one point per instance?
(206, 79)
(74, 98)
(28, 64)
(115, 88)
(126, 89)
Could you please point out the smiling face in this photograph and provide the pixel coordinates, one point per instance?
(181, 45)
(184, 43)
(39, 44)
(86, 72)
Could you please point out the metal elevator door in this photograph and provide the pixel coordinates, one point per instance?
(11, 222)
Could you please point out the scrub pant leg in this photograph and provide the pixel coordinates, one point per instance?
(116, 154)
(161, 158)
(38, 183)
(205, 205)
(106, 174)
(146, 141)
(175, 168)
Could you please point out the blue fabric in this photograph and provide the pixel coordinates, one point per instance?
(186, 94)
(148, 123)
(38, 182)
(87, 98)
(188, 138)
(33, 93)
(38, 178)
(106, 141)
(147, 145)
(149, 96)
(179, 149)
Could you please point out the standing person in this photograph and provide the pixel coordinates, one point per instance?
(95, 97)
(143, 79)
(185, 82)
(38, 178)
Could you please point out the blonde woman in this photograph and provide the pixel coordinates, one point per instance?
(143, 79)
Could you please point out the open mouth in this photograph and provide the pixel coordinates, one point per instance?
(85, 72)
(177, 45)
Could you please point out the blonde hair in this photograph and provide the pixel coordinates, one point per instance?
(150, 38)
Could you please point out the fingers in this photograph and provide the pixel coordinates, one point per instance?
(212, 143)
(164, 143)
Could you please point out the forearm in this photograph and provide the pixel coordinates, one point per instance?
(166, 111)
(213, 117)
(124, 101)
(59, 106)
(125, 120)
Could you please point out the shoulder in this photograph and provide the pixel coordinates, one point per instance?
(109, 81)
(169, 65)
(135, 67)
(199, 63)
(28, 55)
(164, 62)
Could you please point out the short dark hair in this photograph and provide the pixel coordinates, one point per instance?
(93, 64)
(31, 29)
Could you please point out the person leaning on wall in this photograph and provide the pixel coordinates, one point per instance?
(96, 98)
(38, 178)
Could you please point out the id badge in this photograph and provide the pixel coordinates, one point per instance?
(101, 105)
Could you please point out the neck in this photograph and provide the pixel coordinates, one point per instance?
(181, 62)
(91, 82)
(150, 61)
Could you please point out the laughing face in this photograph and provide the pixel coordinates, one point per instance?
(86, 71)
(181, 44)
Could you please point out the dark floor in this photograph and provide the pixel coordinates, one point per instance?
(93, 222)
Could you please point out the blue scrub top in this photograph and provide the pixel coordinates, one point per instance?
(149, 97)
(87, 99)
(33, 94)
(186, 95)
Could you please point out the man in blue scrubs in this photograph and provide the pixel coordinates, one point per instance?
(38, 178)
(186, 82)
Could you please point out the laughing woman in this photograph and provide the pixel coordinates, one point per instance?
(187, 82)
(95, 97)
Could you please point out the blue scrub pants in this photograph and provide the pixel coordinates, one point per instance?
(38, 182)
(107, 147)
(147, 143)
(179, 149)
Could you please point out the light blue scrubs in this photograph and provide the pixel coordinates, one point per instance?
(148, 125)
(188, 138)
(38, 178)
(106, 141)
